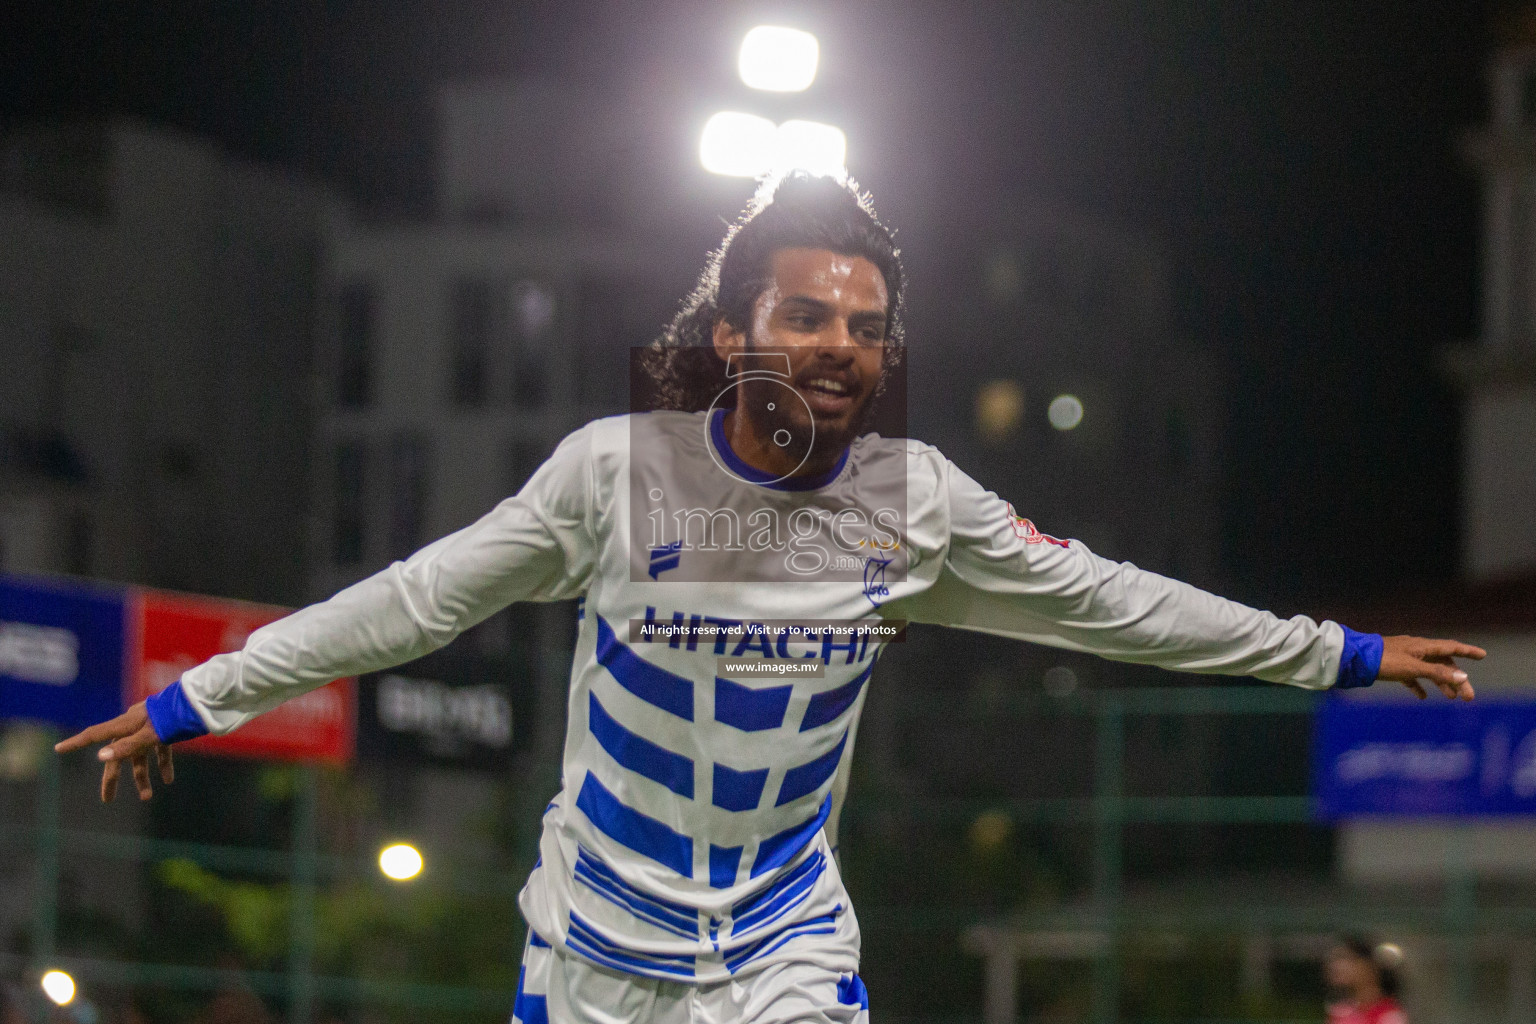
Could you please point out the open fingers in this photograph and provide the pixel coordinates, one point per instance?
(109, 773)
(140, 762)
(101, 732)
(128, 746)
(136, 750)
(167, 766)
(1449, 679)
(1438, 649)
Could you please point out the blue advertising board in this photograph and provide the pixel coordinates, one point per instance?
(62, 652)
(1425, 760)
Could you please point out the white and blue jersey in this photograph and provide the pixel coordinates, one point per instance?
(689, 840)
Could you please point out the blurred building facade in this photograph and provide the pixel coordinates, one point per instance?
(1497, 372)
(1059, 303)
(1057, 306)
(1494, 603)
(156, 324)
(156, 333)
(456, 352)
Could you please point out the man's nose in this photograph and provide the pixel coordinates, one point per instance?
(838, 339)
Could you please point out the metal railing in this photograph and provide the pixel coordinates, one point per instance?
(1104, 922)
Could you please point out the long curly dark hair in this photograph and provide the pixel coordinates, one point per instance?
(799, 210)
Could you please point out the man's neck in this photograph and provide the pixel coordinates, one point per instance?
(761, 453)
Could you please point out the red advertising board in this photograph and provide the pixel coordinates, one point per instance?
(174, 632)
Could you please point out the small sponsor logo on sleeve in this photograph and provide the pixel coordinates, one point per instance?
(1029, 533)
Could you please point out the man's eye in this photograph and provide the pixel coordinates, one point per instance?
(802, 321)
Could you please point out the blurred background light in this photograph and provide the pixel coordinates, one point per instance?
(59, 987)
(778, 59)
(990, 831)
(739, 145)
(999, 409)
(811, 146)
(1059, 681)
(401, 861)
(1065, 412)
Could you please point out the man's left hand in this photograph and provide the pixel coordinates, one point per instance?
(1412, 659)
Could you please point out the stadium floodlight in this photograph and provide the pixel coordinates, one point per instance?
(400, 861)
(738, 145)
(59, 987)
(1065, 412)
(777, 59)
(811, 146)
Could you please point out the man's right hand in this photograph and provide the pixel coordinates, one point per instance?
(128, 737)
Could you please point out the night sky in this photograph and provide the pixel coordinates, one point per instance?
(1299, 160)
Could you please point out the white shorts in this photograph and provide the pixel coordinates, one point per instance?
(557, 988)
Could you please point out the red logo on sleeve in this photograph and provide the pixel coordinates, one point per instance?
(1029, 533)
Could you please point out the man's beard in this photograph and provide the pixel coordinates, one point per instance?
(829, 438)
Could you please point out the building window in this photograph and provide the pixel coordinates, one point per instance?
(614, 315)
(408, 473)
(473, 323)
(354, 345)
(533, 323)
(347, 503)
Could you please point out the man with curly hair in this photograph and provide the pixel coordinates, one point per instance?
(742, 552)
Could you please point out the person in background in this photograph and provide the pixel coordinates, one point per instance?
(1363, 981)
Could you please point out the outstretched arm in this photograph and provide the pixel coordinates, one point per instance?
(535, 546)
(1003, 576)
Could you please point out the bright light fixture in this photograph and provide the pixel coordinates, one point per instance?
(747, 146)
(1065, 412)
(402, 861)
(59, 987)
(778, 59)
(811, 146)
(738, 145)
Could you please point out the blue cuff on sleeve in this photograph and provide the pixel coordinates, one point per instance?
(1361, 660)
(172, 715)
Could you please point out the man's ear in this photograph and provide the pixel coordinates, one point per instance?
(728, 341)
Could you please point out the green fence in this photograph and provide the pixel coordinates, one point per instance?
(1107, 811)
(1456, 916)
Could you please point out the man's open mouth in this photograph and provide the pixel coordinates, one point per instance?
(829, 395)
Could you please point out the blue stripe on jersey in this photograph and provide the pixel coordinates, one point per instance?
(527, 1009)
(779, 898)
(723, 862)
(535, 941)
(639, 754)
(585, 939)
(651, 684)
(823, 925)
(602, 879)
(748, 709)
(827, 706)
(628, 827)
(777, 850)
(738, 791)
(851, 992)
(808, 777)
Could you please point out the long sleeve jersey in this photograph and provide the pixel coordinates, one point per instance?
(689, 837)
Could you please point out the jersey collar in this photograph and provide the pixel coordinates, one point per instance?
(753, 475)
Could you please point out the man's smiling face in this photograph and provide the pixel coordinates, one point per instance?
(827, 313)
